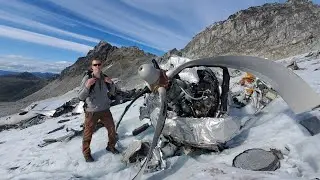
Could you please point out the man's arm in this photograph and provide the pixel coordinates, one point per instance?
(110, 84)
(112, 89)
(83, 91)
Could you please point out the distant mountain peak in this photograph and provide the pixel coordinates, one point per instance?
(102, 46)
(26, 75)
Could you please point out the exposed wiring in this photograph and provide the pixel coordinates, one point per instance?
(200, 98)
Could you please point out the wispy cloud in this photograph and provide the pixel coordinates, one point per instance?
(43, 27)
(19, 63)
(24, 9)
(19, 34)
(164, 24)
(185, 14)
(122, 19)
(117, 36)
(192, 15)
(34, 12)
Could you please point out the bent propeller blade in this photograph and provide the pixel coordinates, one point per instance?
(158, 130)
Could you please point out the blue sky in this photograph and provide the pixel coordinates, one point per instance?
(48, 35)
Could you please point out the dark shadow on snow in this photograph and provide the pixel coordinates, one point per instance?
(100, 153)
(309, 123)
(171, 170)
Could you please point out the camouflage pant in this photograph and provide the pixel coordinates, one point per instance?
(90, 122)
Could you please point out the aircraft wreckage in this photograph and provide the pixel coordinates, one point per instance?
(196, 114)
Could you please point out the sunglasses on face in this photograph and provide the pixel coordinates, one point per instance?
(96, 64)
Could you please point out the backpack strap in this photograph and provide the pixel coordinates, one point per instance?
(89, 73)
(108, 85)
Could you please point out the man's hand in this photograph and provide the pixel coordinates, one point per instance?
(164, 80)
(108, 80)
(90, 82)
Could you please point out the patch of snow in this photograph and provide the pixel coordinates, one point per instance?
(190, 74)
(16, 118)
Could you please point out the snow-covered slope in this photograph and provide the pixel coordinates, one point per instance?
(276, 127)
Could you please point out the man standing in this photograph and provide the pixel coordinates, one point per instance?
(94, 90)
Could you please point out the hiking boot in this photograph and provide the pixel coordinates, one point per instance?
(88, 158)
(113, 150)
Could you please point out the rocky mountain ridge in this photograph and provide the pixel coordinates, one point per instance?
(274, 31)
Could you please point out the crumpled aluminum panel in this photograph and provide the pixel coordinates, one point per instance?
(197, 132)
(202, 132)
